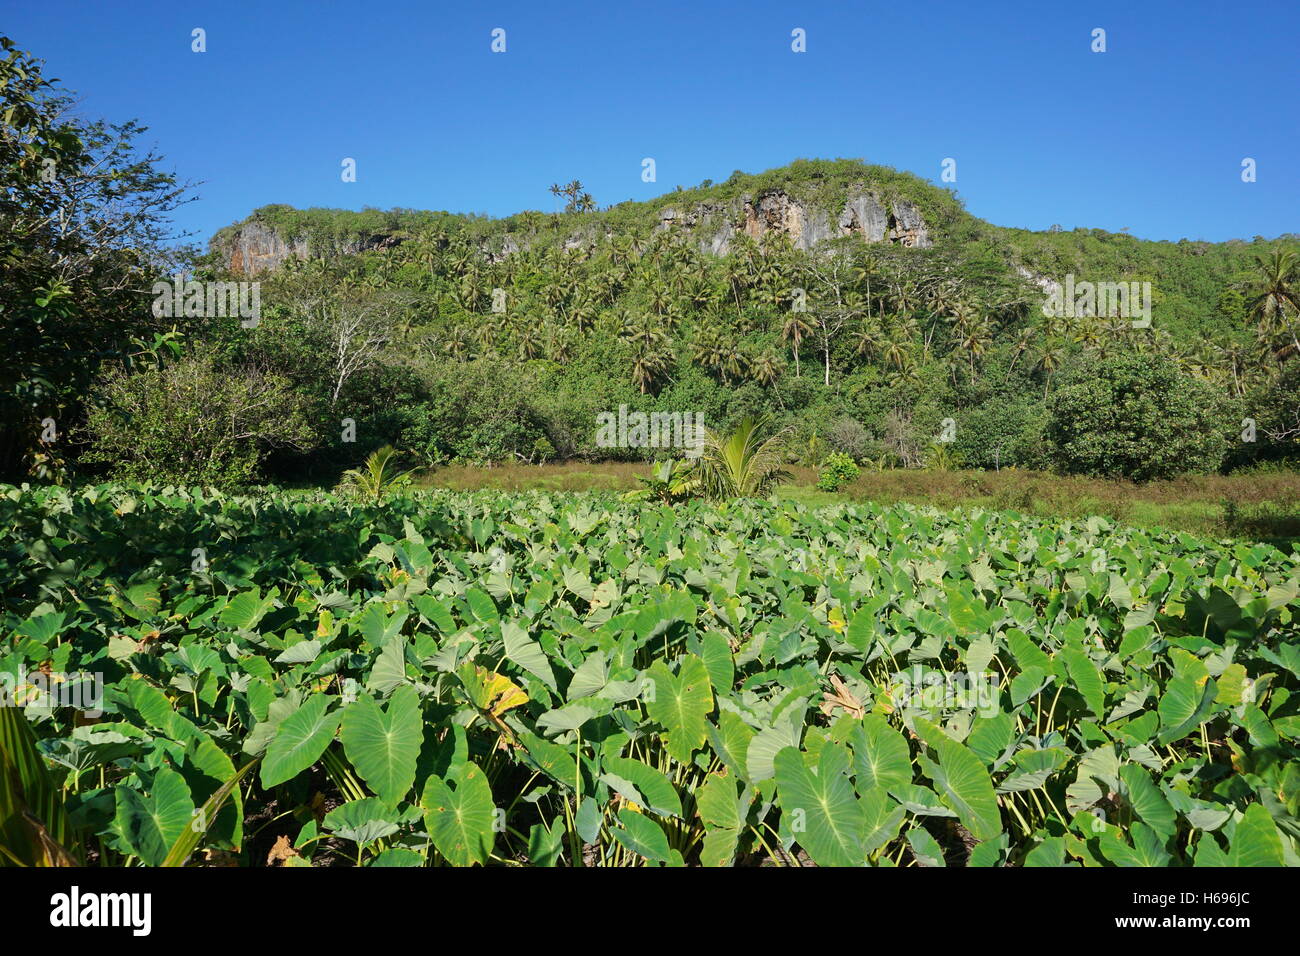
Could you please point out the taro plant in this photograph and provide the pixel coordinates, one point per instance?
(670, 481)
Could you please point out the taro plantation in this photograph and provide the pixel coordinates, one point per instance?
(549, 679)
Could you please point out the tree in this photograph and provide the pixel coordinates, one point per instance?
(1274, 301)
(83, 228)
(356, 328)
(575, 196)
(1136, 417)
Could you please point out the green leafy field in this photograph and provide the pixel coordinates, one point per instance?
(460, 678)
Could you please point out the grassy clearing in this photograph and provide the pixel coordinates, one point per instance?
(1264, 507)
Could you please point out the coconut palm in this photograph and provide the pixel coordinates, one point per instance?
(377, 478)
(1274, 303)
(745, 464)
(795, 327)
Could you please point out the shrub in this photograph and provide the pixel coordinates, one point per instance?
(849, 437)
(838, 470)
(1136, 417)
(193, 421)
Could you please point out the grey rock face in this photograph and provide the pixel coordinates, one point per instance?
(713, 226)
(258, 248)
(864, 215)
(908, 226)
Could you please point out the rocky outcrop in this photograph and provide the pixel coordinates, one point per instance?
(775, 211)
(256, 247)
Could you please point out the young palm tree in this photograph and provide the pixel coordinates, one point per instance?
(377, 477)
(745, 464)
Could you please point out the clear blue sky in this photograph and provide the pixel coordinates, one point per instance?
(1149, 135)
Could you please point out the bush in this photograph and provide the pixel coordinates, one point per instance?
(849, 437)
(1136, 417)
(194, 422)
(838, 470)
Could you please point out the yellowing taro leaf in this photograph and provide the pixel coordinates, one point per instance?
(502, 693)
(326, 626)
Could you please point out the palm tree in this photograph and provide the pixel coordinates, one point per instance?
(765, 369)
(1050, 357)
(745, 464)
(647, 366)
(377, 477)
(793, 331)
(1275, 299)
(867, 339)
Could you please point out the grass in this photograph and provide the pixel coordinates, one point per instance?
(1259, 507)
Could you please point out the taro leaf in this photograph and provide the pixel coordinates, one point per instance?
(1050, 852)
(552, 759)
(1085, 677)
(590, 678)
(382, 744)
(299, 741)
(361, 821)
(481, 606)
(190, 838)
(716, 653)
(397, 856)
(460, 819)
(1184, 705)
(925, 848)
(642, 836)
(42, 628)
(389, 670)
(304, 652)
(883, 817)
(150, 825)
(763, 747)
(922, 801)
(1147, 849)
(1148, 803)
(244, 610)
(963, 780)
(527, 653)
(654, 789)
(989, 853)
(680, 703)
(719, 848)
(545, 844)
(1033, 768)
(716, 802)
(820, 809)
(730, 740)
(881, 757)
(1255, 841)
(568, 717)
